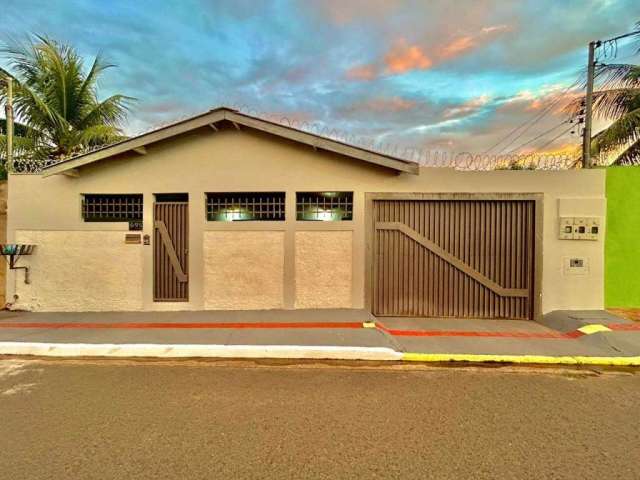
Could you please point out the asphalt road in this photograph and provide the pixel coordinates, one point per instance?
(190, 420)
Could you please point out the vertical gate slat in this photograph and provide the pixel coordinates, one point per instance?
(421, 255)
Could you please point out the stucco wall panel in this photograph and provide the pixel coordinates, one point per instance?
(243, 270)
(324, 269)
(80, 271)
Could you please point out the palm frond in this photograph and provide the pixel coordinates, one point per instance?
(630, 155)
(624, 130)
(39, 113)
(20, 144)
(5, 73)
(614, 103)
(611, 103)
(110, 111)
(19, 129)
(22, 57)
(86, 95)
(617, 75)
(24, 149)
(100, 135)
(64, 68)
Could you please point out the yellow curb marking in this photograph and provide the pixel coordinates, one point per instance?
(369, 324)
(459, 357)
(594, 328)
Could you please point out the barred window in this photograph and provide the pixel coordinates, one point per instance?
(245, 206)
(324, 206)
(112, 207)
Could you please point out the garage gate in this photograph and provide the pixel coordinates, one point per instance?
(453, 258)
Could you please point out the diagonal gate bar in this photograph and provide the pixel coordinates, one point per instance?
(456, 262)
(171, 251)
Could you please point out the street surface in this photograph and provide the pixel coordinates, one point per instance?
(233, 420)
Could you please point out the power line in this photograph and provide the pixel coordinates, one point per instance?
(539, 136)
(504, 138)
(532, 121)
(555, 138)
(529, 124)
(542, 114)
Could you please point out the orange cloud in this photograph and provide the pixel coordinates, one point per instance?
(535, 105)
(361, 72)
(458, 46)
(404, 57)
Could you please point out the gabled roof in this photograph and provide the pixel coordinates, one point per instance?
(212, 118)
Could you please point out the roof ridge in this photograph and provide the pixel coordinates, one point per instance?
(202, 119)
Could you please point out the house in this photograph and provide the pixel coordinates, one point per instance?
(225, 211)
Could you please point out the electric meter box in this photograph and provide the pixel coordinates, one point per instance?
(579, 228)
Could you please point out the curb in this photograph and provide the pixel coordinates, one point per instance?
(290, 352)
(201, 350)
(522, 359)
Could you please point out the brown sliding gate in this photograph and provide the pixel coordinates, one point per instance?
(453, 258)
(170, 252)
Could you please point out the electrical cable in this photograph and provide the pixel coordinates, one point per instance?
(532, 121)
(555, 138)
(539, 136)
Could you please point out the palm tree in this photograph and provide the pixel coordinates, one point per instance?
(22, 145)
(618, 101)
(57, 103)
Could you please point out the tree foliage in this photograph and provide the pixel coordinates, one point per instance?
(56, 101)
(618, 101)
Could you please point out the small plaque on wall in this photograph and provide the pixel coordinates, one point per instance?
(135, 225)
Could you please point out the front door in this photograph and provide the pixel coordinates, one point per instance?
(170, 250)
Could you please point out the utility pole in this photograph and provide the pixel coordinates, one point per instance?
(9, 117)
(588, 107)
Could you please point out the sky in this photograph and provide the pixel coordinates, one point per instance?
(423, 75)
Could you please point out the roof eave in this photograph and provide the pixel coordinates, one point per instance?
(322, 143)
(138, 143)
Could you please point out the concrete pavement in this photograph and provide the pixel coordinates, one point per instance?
(115, 419)
(562, 337)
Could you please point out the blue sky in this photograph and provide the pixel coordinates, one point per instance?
(423, 74)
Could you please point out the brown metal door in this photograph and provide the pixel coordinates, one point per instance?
(170, 252)
(453, 258)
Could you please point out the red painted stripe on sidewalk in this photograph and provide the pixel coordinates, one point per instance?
(170, 325)
(489, 334)
(311, 325)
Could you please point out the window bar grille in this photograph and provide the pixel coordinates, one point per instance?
(112, 207)
(327, 206)
(246, 206)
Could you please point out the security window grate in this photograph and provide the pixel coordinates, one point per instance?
(112, 207)
(324, 206)
(245, 206)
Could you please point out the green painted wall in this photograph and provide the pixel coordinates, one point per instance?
(622, 248)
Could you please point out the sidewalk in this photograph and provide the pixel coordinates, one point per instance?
(563, 337)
